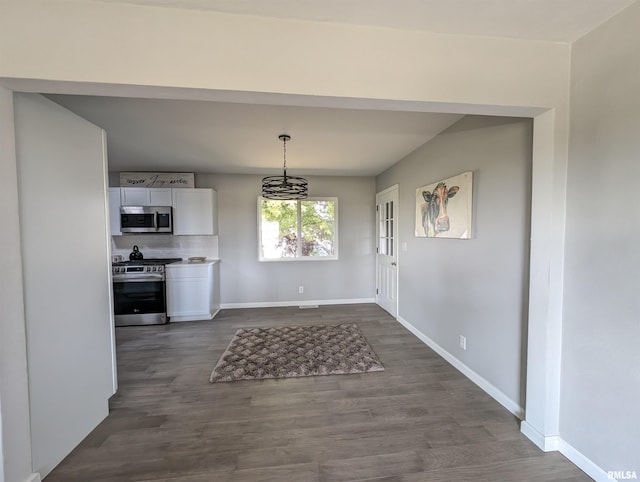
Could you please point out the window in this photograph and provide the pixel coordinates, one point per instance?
(295, 230)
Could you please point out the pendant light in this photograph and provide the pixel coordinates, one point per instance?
(284, 187)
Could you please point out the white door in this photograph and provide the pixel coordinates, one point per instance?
(387, 249)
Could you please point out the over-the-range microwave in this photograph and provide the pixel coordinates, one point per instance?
(146, 219)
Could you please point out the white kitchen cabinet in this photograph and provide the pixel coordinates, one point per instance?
(114, 211)
(193, 291)
(143, 196)
(195, 211)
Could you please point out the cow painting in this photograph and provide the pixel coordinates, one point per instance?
(435, 219)
(436, 216)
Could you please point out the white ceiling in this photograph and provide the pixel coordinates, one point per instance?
(219, 137)
(552, 20)
(223, 137)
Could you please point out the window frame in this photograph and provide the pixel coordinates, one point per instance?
(334, 257)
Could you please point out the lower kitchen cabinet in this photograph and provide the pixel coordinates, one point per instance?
(193, 290)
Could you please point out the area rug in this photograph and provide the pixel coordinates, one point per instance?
(295, 351)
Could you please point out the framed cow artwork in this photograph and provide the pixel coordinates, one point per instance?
(444, 208)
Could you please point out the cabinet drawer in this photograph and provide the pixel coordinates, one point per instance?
(189, 271)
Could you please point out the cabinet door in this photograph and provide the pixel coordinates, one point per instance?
(190, 296)
(142, 196)
(193, 212)
(134, 196)
(160, 196)
(114, 211)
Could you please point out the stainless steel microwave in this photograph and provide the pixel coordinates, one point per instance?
(146, 219)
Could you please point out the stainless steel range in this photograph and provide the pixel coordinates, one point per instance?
(139, 295)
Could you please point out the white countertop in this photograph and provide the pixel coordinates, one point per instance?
(190, 263)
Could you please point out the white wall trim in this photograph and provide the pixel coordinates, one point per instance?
(275, 304)
(583, 463)
(556, 443)
(33, 478)
(483, 383)
(549, 443)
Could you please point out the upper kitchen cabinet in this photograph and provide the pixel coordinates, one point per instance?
(195, 211)
(114, 211)
(142, 196)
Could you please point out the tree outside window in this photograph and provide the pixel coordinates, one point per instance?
(305, 229)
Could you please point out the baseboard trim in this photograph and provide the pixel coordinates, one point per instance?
(278, 304)
(35, 477)
(483, 383)
(551, 443)
(546, 443)
(585, 464)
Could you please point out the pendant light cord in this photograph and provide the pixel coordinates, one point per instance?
(284, 151)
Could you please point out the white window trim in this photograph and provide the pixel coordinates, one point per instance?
(300, 258)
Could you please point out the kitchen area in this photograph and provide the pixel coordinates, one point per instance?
(164, 249)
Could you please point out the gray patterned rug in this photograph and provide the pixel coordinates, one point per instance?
(295, 351)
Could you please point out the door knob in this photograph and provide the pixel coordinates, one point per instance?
(393, 263)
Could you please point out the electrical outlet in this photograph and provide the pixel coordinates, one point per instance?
(463, 342)
(300, 289)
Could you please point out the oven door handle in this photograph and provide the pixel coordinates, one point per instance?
(146, 279)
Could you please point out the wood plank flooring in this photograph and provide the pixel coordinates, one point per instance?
(419, 420)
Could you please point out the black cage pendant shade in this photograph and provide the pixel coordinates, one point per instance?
(284, 187)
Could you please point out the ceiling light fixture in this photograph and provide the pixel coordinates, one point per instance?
(284, 187)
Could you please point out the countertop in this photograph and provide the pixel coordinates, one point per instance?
(182, 264)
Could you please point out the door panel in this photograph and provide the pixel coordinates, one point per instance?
(386, 250)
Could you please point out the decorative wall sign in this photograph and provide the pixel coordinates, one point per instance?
(157, 179)
(443, 208)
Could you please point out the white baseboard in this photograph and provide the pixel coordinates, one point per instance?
(276, 304)
(487, 386)
(33, 478)
(551, 443)
(546, 443)
(583, 463)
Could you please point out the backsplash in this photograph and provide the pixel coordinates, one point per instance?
(166, 246)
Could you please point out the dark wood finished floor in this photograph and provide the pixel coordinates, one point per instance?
(419, 420)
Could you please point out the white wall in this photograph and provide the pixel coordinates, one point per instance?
(15, 441)
(245, 280)
(115, 43)
(601, 339)
(66, 272)
(477, 287)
